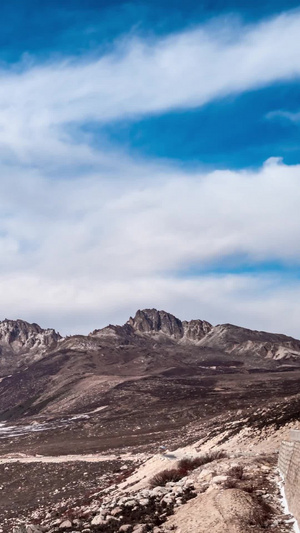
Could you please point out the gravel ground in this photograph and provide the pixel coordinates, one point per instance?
(24, 487)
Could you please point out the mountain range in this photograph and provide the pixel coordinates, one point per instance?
(45, 374)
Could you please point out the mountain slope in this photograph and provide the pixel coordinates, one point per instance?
(245, 342)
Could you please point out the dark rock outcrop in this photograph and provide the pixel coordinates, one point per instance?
(151, 322)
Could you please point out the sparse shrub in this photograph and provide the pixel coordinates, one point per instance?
(190, 463)
(231, 483)
(185, 466)
(236, 472)
(263, 513)
(163, 477)
(249, 487)
(218, 454)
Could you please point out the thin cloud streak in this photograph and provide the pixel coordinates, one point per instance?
(184, 70)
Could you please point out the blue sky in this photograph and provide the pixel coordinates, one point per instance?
(81, 26)
(255, 133)
(149, 156)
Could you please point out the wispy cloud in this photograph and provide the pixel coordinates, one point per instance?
(293, 116)
(140, 77)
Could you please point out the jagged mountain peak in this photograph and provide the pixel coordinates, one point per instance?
(28, 341)
(21, 331)
(158, 324)
(152, 321)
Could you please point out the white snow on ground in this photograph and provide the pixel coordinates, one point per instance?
(16, 431)
(296, 528)
(7, 431)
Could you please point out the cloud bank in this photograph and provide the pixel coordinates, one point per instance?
(87, 234)
(80, 252)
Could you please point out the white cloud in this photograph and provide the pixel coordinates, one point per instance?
(87, 235)
(183, 70)
(249, 301)
(80, 254)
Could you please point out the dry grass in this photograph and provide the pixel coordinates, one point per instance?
(191, 463)
(163, 477)
(236, 472)
(185, 465)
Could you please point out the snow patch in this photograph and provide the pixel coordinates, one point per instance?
(285, 506)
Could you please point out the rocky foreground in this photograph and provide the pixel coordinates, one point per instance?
(182, 490)
(82, 419)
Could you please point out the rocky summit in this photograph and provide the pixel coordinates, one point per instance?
(153, 322)
(155, 425)
(23, 343)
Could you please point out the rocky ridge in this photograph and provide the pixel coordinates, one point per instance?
(237, 340)
(231, 339)
(153, 322)
(154, 360)
(23, 343)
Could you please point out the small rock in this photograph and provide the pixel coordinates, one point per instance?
(219, 479)
(55, 522)
(66, 524)
(110, 518)
(159, 491)
(126, 528)
(167, 499)
(130, 503)
(116, 511)
(140, 528)
(265, 468)
(205, 475)
(98, 520)
(144, 501)
(178, 491)
(189, 483)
